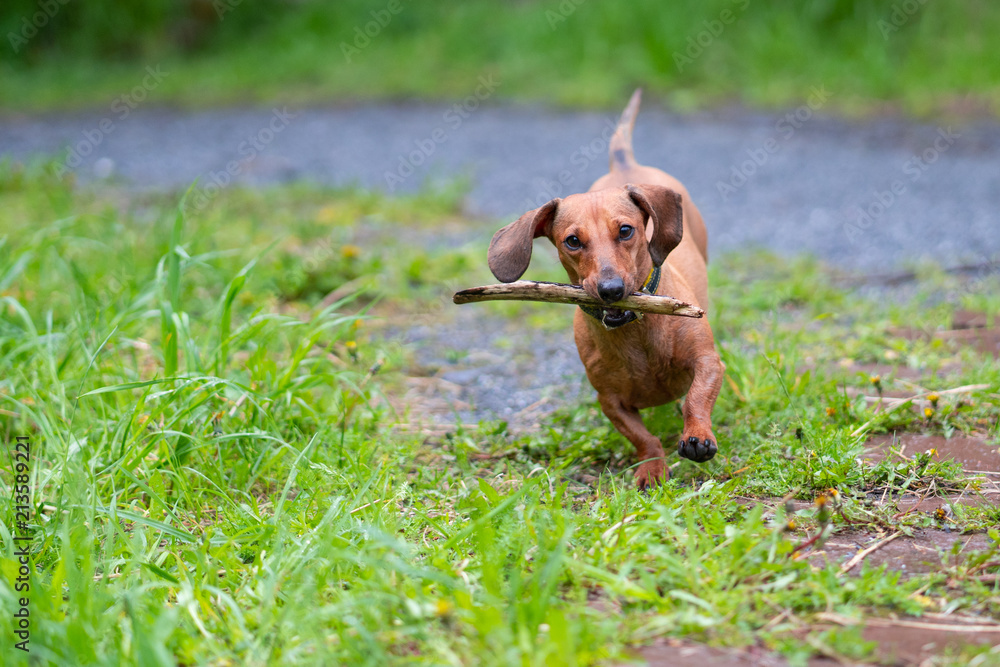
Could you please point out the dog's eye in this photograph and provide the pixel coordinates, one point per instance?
(625, 232)
(573, 243)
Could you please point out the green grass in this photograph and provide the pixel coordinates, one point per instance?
(941, 60)
(217, 477)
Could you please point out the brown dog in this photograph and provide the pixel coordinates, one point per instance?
(612, 240)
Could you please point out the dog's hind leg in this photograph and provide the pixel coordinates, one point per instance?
(652, 467)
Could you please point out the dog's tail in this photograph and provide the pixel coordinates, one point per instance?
(620, 148)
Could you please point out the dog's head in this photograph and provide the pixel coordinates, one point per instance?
(608, 240)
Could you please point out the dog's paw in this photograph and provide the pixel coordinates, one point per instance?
(697, 449)
(651, 474)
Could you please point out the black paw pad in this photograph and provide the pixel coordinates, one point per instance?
(697, 450)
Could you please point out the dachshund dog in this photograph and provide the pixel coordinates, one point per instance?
(635, 229)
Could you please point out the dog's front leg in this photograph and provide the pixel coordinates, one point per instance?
(698, 443)
(652, 469)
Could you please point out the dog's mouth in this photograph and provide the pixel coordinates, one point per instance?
(612, 318)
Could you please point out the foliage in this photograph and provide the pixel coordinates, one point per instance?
(927, 58)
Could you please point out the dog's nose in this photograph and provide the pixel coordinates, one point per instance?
(611, 290)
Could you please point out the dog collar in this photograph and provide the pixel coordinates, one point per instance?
(649, 287)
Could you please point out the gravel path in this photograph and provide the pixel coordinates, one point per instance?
(872, 195)
(474, 366)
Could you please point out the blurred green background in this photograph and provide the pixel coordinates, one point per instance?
(237, 414)
(918, 57)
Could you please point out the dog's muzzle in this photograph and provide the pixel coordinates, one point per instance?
(613, 318)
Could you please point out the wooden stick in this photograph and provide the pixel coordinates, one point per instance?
(959, 623)
(860, 556)
(529, 290)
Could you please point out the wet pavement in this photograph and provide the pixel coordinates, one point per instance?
(677, 653)
(973, 454)
(901, 641)
(920, 553)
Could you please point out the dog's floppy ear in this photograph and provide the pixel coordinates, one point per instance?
(510, 249)
(662, 207)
